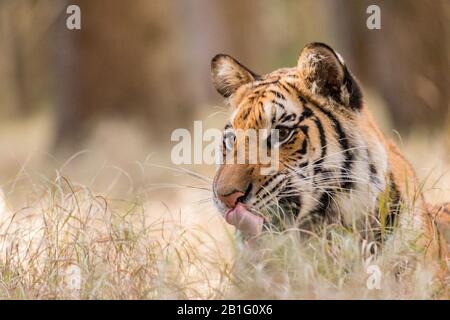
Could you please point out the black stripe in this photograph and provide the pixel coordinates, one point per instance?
(302, 99)
(285, 88)
(373, 173)
(323, 146)
(263, 83)
(394, 206)
(284, 114)
(319, 212)
(394, 203)
(320, 209)
(290, 200)
(278, 94)
(286, 117)
(303, 150)
(300, 166)
(307, 113)
(287, 84)
(245, 113)
(278, 104)
(343, 140)
(304, 130)
(274, 119)
(304, 147)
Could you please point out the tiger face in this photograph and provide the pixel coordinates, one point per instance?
(324, 159)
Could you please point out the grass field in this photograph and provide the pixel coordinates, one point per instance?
(88, 229)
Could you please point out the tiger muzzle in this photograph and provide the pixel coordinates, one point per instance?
(233, 186)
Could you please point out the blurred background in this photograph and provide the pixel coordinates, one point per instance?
(138, 69)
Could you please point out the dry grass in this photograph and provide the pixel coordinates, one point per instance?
(71, 243)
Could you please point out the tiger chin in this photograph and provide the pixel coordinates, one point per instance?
(335, 165)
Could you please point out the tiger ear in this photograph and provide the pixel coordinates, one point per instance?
(228, 74)
(323, 71)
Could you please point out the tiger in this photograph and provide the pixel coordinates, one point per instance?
(335, 165)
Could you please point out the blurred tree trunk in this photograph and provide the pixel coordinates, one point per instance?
(120, 63)
(209, 27)
(408, 60)
(16, 23)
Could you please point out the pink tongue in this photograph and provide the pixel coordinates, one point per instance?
(244, 220)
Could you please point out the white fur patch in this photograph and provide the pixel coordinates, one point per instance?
(341, 60)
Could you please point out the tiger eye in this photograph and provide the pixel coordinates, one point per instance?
(283, 133)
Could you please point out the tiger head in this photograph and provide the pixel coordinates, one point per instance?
(306, 105)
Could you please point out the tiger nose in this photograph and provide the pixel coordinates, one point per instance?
(231, 199)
